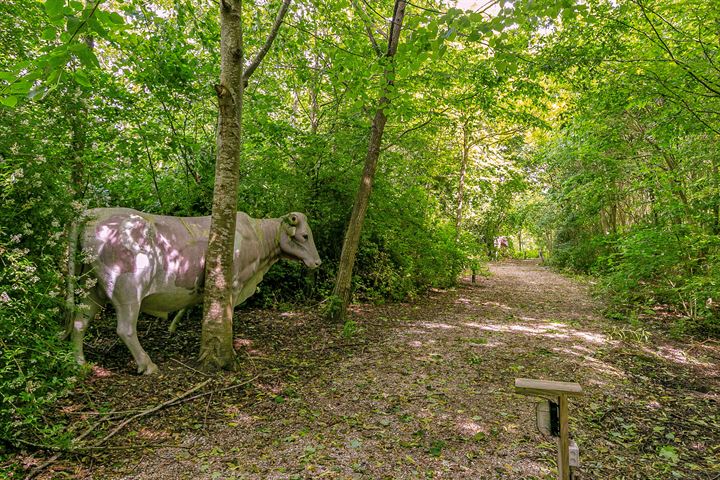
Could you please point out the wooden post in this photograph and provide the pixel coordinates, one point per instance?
(564, 440)
(555, 391)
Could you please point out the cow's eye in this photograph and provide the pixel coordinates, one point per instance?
(305, 236)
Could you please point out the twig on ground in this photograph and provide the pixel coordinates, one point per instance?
(220, 389)
(190, 368)
(207, 408)
(52, 460)
(702, 344)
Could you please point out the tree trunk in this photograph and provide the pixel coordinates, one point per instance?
(216, 349)
(343, 282)
(461, 183)
(78, 114)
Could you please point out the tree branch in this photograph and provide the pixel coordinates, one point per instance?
(704, 82)
(368, 29)
(268, 42)
(416, 127)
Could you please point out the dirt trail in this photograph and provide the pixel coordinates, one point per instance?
(424, 390)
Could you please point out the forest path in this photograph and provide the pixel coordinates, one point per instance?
(425, 390)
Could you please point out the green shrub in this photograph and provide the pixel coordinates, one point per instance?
(36, 367)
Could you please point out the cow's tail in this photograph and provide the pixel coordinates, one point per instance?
(70, 279)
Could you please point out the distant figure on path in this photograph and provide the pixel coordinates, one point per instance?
(501, 244)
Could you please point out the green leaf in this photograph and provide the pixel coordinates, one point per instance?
(669, 453)
(54, 8)
(22, 87)
(87, 57)
(97, 27)
(7, 76)
(58, 57)
(116, 18)
(54, 75)
(82, 79)
(73, 25)
(10, 101)
(49, 33)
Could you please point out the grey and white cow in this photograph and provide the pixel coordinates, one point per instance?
(155, 264)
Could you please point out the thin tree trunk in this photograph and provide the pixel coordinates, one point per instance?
(461, 183)
(343, 282)
(78, 120)
(216, 349)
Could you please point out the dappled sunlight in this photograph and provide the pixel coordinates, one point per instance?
(496, 304)
(435, 325)
(676, 355)
(550, 330)
(239, 343)
(491, 343)
(237, 417)
(592, 362)
(463, 301)
(469, 427)
(100, 372)
(414, 331)
(151, 434)
(272, 390)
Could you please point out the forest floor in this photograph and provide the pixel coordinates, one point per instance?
(419, 390)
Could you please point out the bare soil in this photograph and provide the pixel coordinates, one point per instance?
(418, 390)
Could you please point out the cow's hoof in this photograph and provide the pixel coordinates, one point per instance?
(148, 369)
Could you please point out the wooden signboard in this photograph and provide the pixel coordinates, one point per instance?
(555, 391)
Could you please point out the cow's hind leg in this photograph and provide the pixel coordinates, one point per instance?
(84, 312)
(127, 316)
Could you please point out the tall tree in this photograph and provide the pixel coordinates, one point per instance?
(352, 235)
(216, 349)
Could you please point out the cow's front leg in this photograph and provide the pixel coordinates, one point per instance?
(127, 315)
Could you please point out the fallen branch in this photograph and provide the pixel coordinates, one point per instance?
(52, 460)
(152, 410)
(97, 444)
(221, 389)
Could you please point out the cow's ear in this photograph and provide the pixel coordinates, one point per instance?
(293, 219)
(290, 231)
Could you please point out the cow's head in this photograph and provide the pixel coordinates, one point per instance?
(296, 240)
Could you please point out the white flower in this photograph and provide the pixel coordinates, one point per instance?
(55, 224)
(4, 297)
(16, 238)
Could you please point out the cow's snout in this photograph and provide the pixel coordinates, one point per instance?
(314, 263)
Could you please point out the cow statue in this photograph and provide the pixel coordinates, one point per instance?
(501, 245)
(155, 264)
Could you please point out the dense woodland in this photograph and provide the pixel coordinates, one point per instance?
(588, 133)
